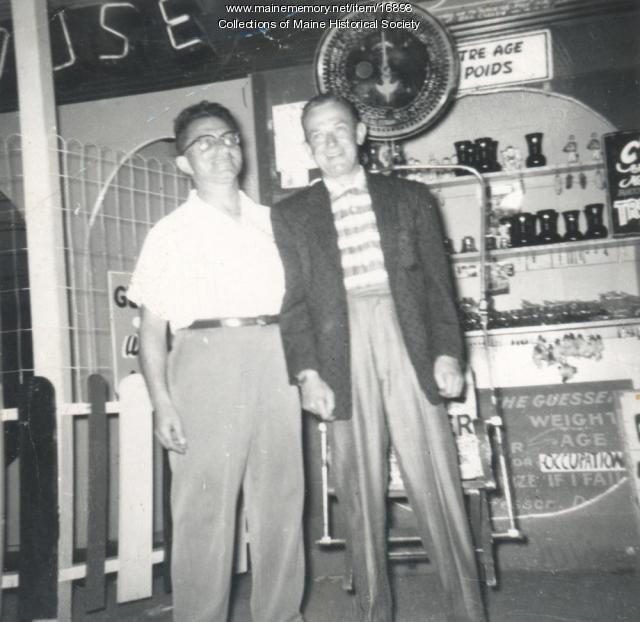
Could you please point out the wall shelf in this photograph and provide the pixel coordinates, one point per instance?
(570, 252)
(519, 174)
(611, 328)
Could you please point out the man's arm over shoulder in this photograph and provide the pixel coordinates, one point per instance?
(295, 319)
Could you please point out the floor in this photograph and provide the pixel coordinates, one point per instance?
(522, 597)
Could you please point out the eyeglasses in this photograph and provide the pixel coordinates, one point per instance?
(210, 141)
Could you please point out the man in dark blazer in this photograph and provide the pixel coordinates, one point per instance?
(372, 338)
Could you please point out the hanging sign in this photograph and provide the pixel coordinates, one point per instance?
(622, 159)
(108, 49)
(499, 61)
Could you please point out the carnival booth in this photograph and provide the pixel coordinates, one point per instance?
(522, 119)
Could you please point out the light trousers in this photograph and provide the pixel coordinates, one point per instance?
(242, 422)
(389, 404)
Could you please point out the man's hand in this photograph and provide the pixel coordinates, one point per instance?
(168, 429)
(448, 375)
(316, 395)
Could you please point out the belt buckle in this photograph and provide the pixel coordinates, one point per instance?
(233, 322)
(261, 320)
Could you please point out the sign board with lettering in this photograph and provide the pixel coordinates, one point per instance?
(107, 49)
(571, 485)
(622, 160)
(499, 61)
(562, 440)
(124, 320)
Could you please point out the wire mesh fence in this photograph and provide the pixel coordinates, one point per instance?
(110, 201)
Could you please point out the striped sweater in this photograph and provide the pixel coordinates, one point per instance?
(358, 238)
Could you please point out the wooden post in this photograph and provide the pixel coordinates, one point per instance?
(45, 242)
(37, 594)
(95, 582)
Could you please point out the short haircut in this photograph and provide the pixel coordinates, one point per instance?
(201, 110)
(327, 98)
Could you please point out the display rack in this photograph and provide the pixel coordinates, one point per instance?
(518, 174)
(567, 253)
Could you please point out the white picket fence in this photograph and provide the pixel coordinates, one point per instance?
(136, 555)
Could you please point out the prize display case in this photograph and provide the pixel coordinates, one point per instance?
(563, 322)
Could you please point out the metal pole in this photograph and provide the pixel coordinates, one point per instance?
(324, 457)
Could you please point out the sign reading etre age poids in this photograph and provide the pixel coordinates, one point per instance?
(565, 447)
(494, 61)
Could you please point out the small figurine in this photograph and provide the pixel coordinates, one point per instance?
(571, 149)
(511, 158)
(504, 233)
(595, 148)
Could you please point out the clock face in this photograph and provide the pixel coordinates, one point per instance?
(400, 79)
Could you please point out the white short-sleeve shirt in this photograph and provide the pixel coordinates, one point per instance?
(200, 263)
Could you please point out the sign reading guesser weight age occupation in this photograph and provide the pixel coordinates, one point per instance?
(565, 444)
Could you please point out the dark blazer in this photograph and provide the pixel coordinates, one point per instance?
(314, 321)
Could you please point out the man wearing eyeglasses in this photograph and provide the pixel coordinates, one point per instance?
(372, 337)
(210, 273)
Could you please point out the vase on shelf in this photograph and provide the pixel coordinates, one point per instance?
(493, 156)
(468, 245)
(534, 145)
(483, 155)
(571, 226)
(548, 219)
(448, 246)
(594, 213)
(465, 151)
(523, 229)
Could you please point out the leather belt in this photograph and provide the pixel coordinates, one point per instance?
(235, 322)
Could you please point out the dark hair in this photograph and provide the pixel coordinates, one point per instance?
(201, 110)
(326, 98)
